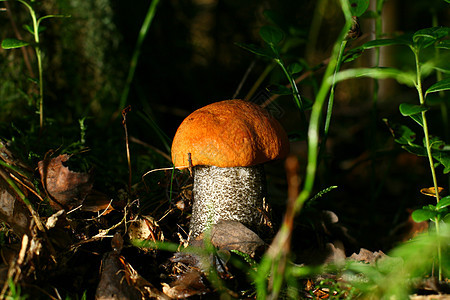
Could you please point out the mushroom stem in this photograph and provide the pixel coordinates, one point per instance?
(234, 193)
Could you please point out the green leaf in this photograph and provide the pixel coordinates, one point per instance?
(385, 42)
(435, 143)
(443, 157)
(418, 118)
(13, 43)
(271, 35)
(415, 149)
(358, 7)
(407, 109)
(401, 133)
(352, 54)
(428, 36)
(258, 50)
(445, 44)
(295, 68)
(28, 28)
(378, 73)
(280, 89)
(444, 202)
(423, 214)
(443, 85)
(404, 135)
(52, 16)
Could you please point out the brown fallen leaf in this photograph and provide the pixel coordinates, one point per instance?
(120, 281)
(192, 266)
(431, 191)
(67, 189)
(97, 202)
(13, 211)
(232, 235)
(187, 285)
(367, 256)
(145, 228)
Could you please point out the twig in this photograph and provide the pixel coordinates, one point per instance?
(244, 79)
(127, 145)
(27, 187)
(299, 79)
(14, 269)
(280, 248)
(164, 169)
(30, 208)
(160, 152)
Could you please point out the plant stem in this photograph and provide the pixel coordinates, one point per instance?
(41, 88)
(444, 104)
(295, 92)
(275, 259)
(425, 124)
(137, 51)
(430, 157)
(39, 59)
(323, 143)
(313, 130)
(374, 111)
(259, 81)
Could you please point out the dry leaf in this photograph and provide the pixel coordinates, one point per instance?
(67, 189)
(13, 211)
(367, 256)
(98, 203)
(187, 285)
(145, 228)
(113, 283)
(232, 235)
(119, 280)
(431, 191)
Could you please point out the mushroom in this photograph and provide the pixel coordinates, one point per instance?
(226, 143)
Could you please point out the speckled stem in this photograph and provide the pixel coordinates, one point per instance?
(228, 194)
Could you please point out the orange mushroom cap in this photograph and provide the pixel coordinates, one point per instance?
(230, 133)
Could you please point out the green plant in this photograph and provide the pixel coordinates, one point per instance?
(433, 148)
(272, 36)
(35, 29)
(394, 276)
(137, 51)
(15, 292)
(275, 261)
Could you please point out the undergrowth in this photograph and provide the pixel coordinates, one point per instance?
(313, 89)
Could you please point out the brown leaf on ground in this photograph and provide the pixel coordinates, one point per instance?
(67, 189)
(187, 285)
(120, 281)
(97, 202)
(145, 228)
(191, 266)
(13, 211)
(232, 235)
(367, 256)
